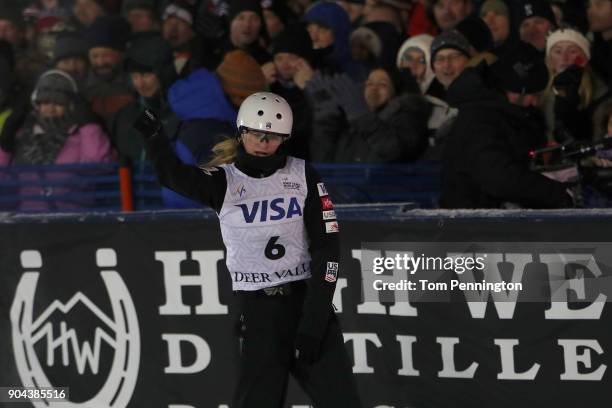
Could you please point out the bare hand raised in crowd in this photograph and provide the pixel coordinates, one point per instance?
(269, 71)
(303, 73)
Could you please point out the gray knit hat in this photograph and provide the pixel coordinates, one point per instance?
(55, 86)
(450, 39)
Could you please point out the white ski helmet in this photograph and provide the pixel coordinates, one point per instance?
(266, 112)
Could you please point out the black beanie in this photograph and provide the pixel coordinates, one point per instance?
(294, 39)
(238, 6)
(535, 8)
(109, 32)
(69, 44)
(150, 52)
(521, 70)
(477, 32)
(280, 8)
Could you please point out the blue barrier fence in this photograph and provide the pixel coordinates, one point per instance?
(96, 187)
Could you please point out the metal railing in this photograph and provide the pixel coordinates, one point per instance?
(111, 187)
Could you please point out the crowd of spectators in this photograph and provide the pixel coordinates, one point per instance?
(476, 85)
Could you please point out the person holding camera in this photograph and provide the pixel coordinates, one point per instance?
(280, 230)
(486, 161)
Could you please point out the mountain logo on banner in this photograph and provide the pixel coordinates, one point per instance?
(120, 332)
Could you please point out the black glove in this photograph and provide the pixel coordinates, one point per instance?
(307, 348)
(567, 85)
(350, 96)
(148, 124)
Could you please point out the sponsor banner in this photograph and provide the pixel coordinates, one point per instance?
(120, 315)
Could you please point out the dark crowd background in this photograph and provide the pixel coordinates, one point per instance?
(480, 86)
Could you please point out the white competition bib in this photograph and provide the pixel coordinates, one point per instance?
(262, 225)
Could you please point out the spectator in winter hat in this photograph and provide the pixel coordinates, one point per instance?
(71, 55)
(450, 55)
(178, 19)
(448, 13)
(535, 21)
(148, 62)
(106, 85)
(248, 29)
(29, 61)
(572, 86)
(329, 28)
(106, 40)
(521, 75)
(240, 76)
(56, 131)
(599, 13)
(414, 54)
(290, 49)
(12, 25)
(366, 46)
(292, 54)
(485, 161)
(88, 11)
(277, 16)
(141, 15)
(496, 15)
(177, 28)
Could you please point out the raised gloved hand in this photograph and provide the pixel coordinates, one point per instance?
(148, 124)
(567, 84)
(349, 96)
(307, 349)
(324, 103)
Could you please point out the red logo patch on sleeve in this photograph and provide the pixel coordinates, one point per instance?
(326, 203)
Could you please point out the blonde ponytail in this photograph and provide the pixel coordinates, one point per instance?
(223, 152)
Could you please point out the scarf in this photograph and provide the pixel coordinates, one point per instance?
(42, 140)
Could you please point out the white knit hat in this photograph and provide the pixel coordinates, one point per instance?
(421, 42)
(571, 35)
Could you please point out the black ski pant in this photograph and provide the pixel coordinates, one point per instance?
(269, 326)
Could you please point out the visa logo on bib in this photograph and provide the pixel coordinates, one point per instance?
(273, 210)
